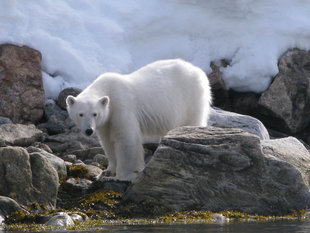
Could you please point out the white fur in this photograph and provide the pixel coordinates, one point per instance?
(122, 109)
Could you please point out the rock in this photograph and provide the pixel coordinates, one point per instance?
(19, 135)
(42, 146)
(245, 103)
(21, 85)
(79, 218)
(61, 219)
(224, 169)
(224, 119)
(56, 119)
(286, 104)
(218, 87)
(76, 186)
(109, 184)
(292, 151)
(101, 159)
(69, 158)
(27, 178)
(5, 120)
(88, 153)
(70, 141)
(44, 178)
(56, 162)
(82, 170)
(7, 206)
(61, 100)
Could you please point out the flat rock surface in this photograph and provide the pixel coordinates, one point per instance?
(19, 135)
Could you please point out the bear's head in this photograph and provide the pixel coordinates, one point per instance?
(88, 114)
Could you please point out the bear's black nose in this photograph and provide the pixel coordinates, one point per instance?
(89, 132)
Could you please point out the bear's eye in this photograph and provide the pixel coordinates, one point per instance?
(94, 114)
(81, 114)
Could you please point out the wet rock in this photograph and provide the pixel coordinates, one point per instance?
(78, 218)
(286, 103)
(61, 100)
(7, 206)
(224, 119)
(19, 135)
(27, 178)
(21, 85)
(57, 163)
(224, 169)
(61, 219)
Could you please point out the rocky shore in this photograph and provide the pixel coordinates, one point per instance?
(49, 170)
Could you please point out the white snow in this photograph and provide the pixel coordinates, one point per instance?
(80, 39)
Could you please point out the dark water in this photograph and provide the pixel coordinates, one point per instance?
(281, 227)
(270, 227)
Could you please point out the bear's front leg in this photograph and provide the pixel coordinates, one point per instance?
(110, 154)
(130, 157)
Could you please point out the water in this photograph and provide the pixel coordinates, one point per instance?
(278, 227)
(269, 227)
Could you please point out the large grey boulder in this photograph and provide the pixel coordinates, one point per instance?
(19, 135)
(225, 119)
(27, 178)
(224, 169)
(286, 103)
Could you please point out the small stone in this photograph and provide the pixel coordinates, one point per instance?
(61, 100)
(76, 186)
(61, 219)
(101, 159)
(69, 158)
(5, 120)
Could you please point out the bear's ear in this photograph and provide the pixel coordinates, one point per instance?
(70, 100)
(104, 100)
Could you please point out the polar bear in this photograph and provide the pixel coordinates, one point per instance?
(122, 109)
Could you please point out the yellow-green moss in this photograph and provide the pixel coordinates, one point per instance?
(108, 198)
(77, 171)
(178, 217)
